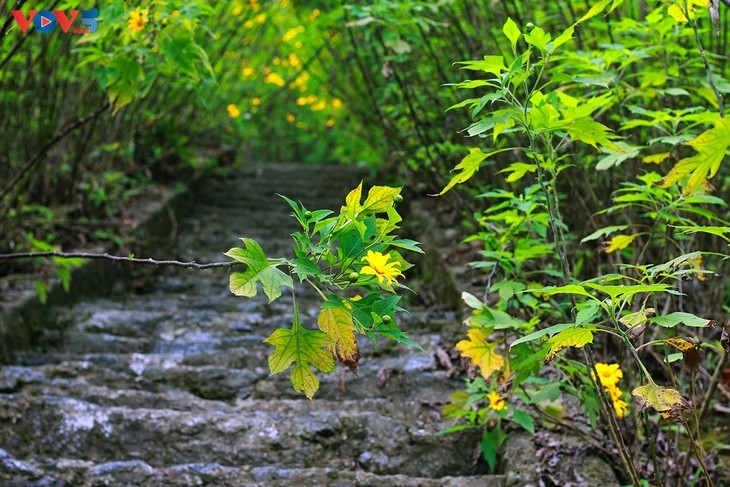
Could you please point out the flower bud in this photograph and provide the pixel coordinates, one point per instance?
(387, 319)
(307, 214)
(397, 198)
(353, 277)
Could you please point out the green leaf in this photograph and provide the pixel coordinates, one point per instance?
(572, 337)
(567, 289)
(711, 146)
(490, 444)
(603, 232)
(305, 348)
(467, 168)
(524, 420)
(587, 310)
(512, 32)
(538, 38)
(678, 317)
(260, 269)
(550, 330)
(517, 171)
(407, 244)
(562, 38)
(615, 158)
(490, 64)
(595, 10)
(591, 132)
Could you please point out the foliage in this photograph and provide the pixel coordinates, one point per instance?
(335, 254)
(550, 110)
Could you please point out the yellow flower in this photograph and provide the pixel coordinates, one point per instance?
(621, 408)
(247, 72)
(379, 267)
(336, 103)
(237, 10)
(292, 33)
(254, 5)
(298, 44)
(233, 111)
(319, 106)
(274, 79)
(315, 13)
(496, 401)
(609, 374)
(290, 118)
(330, 122)
(255, 101)
(137, 19)
(294, 60)
(301, 101)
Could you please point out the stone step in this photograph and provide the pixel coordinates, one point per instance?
(235, 372)
(63, 471)
(290, 434)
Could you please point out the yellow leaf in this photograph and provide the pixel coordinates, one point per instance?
(666, 401)
(467, 168)
(481, 352)
(655, 158)
(352, 202)
(619, 242)
(710, 146)
(380, 198)
(681, 344)
(338, 324)
(572, 337)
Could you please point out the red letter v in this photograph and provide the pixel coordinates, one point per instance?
(63, 20)
(23, 23)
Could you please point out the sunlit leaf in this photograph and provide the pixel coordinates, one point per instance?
(260, 269)
(512, 32)
(467, 168)
(572, 337)
(619, 242)
(711, 146)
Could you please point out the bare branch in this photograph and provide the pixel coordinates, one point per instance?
(115, 258)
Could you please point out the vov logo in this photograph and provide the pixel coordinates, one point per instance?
(45, 21)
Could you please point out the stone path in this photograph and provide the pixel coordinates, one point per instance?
(171, 386)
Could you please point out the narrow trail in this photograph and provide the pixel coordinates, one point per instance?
(170, 386)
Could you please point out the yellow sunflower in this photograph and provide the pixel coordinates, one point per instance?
(379, 267)
(137, 19)
(496, 401)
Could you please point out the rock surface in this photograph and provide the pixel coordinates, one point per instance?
(170, 386)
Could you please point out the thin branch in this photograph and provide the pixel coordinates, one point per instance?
(116, 258)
